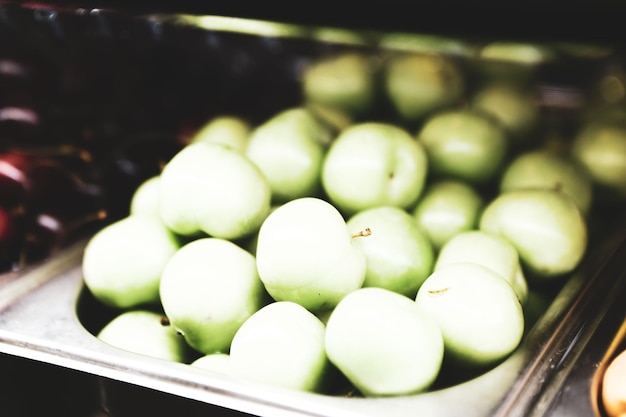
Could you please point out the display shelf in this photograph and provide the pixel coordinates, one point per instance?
(580, 21)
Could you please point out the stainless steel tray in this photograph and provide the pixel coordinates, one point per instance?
(43, 308)
(39, 321)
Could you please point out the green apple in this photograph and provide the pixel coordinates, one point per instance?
(306, 254)
(492, 251)
(422, 43)
(584, 50)
(446, 208)
(264, 29)
(227, 130)
(282, 344)
(343, 81)
(546, 227)
(464, 144)
(373, 164)
(145, 199)
(147, 333)
(516, 62)
(601, 149)
(607, 93)
(384, 343)
(478, 312)
(542, 168)
(212, 189)
(398, 252)
(418, 85)
(522, 53)
(289, 149)
(208, 289)
(516, 108)
(122, 262)
(341, 36)
(216, 362)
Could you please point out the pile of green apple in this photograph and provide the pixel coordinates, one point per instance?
(325, 245)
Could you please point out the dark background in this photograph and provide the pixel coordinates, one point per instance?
(573, 20)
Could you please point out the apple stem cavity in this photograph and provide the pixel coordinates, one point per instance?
(362, 233)
(559, 187)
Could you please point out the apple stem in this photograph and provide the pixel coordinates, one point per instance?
(89, 217)
(440, 291)
(365, 232)
(165, 321)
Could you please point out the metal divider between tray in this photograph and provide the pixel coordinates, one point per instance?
(545, 378)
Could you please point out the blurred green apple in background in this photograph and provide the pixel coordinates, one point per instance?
(145, 199)
(343, 81)
(522, 53)
(542, 168)
(399, 254)
(282, 344)
(516, 62)
(212, 189)
(584, 50)
(122, 262)
(425, 43)
(289, 149)
(228, 130)
(420, 84)
(208, 289)
(478, 312)
(546, 227)
(465, 145)
(384, 343)
(306, 254)
(516, 108)
(601, 149)
(374, 164)
(339, 36)
(446, 208)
